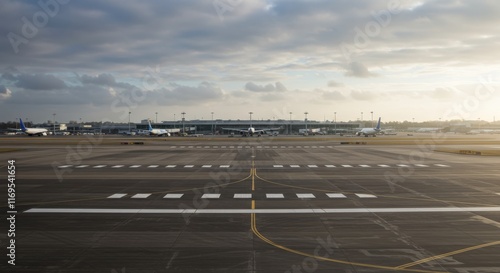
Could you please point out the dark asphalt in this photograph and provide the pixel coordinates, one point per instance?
(220, 183)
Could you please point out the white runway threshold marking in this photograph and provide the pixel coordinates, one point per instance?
(141, 195)
(117, 195)
(173, 195)
(266, 211)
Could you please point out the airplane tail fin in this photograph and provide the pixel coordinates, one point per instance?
(149, 126)
(378, 124)
(23, 128)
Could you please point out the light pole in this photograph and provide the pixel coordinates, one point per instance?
(335, 119)
(250, 118)
(183, 113)
(372, 117)
(361, 116)
(175, 126)
(305, 113)
(129, 121)
(212, 122)
(290, 132)
(54, 123)
(156, 113)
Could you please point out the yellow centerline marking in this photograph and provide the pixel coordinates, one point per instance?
(438, 257)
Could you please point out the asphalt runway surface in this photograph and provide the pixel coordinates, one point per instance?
(252, 205)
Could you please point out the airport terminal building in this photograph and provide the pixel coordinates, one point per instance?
(283, 126)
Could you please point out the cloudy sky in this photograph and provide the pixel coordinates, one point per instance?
(98, 60)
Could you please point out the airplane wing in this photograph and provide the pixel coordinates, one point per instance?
(266, 129)
(235, 130)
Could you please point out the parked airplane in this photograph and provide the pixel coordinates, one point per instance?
(251, 131)
(370, 131)
(161, 132)
(32, 131)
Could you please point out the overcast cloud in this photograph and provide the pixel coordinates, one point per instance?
(391, 57)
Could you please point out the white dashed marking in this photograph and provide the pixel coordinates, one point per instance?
(365, 195)
(336, 195)
(295, 166)
(305, 195)
(82, 166)
(173, 195)
(330, 166)
(188, 166)
(117, 195)
(141, 195)
(210, 196)
(153, 166)
(134, 166)
(274, 195)
(117, 166)
(170, 166)
(224, 166)
(242, 195)
(99, 166)
(278, 166)
(206, 166)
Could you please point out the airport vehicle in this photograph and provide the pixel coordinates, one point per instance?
(370, 131)
(32, 131)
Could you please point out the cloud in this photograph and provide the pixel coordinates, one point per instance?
(356, 69)
(333, 95)
(334, 84)
(277, 87)
(5, 93)
(39, 82)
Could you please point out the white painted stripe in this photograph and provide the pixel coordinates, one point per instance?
(498, 193)
(347, 166)
(274, 195)
(365, 166)
(383, 166)
(190, 147)
(224, 166)
(421, 165)
(64, 166)
(188, 166)
(330, 166)
(402, 165)
(206, 166)
(329, 147)
(206, 147)
(232, 147)
(170, 166)
(312, 166)
(441, 165)
(222, 147)
(99, 166)
(210, 196)
(365, 195)
(173, 147)
(81, 166)
(290, 147)
(283, 147)
(295, 166)
(173, 195)
(198, 147)
(278, 166)
(183, 147)
(259, 147)
(307, 147)
(117, 195)
(314, 147)
(247, 147)
(135, 166)
(267, 211)
(267, 147)
(153, 166)
(215, 147)
(305, 195)
(336, 195)
(242, 195)
(239, 147)
(117, 166)
(322, 147)
(275, 147)
(141, 195)
(298, 147)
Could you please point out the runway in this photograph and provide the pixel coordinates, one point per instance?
(253, 205)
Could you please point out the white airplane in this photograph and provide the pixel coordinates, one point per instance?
(157, 132)
(370, 131)
(251, 131)
(32, 131)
